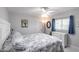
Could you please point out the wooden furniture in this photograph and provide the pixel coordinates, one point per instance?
(63, 37)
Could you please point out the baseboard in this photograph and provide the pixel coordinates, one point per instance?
(74, 47)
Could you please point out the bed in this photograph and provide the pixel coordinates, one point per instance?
(37, 42)
(13, 41)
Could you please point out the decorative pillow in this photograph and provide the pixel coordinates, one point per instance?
(17, 37)
(19, 47)
(17, 41)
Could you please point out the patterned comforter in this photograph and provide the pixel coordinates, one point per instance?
(37, 42)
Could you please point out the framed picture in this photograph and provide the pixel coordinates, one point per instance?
(24, 23)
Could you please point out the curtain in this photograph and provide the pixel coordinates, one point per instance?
(71, 25)
(53, 24)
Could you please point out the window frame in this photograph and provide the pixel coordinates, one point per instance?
(62, 25)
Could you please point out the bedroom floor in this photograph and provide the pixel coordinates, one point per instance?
(71, 49)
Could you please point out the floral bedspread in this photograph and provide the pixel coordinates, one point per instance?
(37, 42)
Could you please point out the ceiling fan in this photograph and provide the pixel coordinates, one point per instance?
(47, 10)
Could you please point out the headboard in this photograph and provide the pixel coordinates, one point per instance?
(4, 31)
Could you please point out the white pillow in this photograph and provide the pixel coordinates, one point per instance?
(17, 37)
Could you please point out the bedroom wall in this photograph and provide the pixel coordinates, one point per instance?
(34, 24)
(3, 13)
(75, 12)
(3, 32)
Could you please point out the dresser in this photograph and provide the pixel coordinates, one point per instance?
(63, 37)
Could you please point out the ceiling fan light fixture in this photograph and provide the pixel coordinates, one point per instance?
(46, 10)
(44, 15)
(43, 10)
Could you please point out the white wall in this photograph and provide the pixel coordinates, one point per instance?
(34, 24)
(75, 12)
(3, 17)
(3, 13)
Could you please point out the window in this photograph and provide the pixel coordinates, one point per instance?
(62, 24)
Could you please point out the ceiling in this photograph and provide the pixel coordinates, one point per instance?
(37, 10)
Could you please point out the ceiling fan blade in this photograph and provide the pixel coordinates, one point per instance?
(48, 12)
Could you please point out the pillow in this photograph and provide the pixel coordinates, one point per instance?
(19, 47)
(17, 37)
(18, 42)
